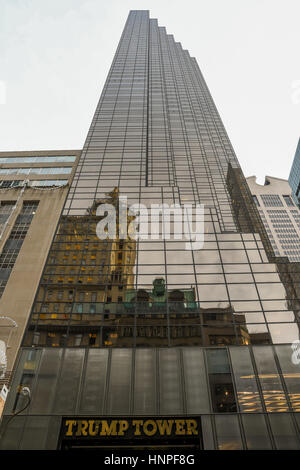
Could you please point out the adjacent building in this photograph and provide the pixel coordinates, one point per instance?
(148, 342)
(279, 213)
(33, 190)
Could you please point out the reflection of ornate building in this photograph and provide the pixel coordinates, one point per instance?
(159, 296)
(88, 297)
(85, 282)
(174, 316)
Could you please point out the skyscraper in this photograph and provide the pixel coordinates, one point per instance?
(147, 341)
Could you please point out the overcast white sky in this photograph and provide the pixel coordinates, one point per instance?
(55, 55)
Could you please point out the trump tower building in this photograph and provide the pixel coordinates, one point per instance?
(156, 341)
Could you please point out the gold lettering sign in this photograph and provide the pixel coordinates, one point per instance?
(130, 427)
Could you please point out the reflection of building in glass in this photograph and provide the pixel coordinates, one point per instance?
(250, 219)
(84, 283)
(141, 328)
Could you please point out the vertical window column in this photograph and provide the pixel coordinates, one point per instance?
(15, 240)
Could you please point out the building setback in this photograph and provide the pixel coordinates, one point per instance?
(142, 341)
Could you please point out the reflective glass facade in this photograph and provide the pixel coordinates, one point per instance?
(147, 327)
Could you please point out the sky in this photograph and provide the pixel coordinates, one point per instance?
(55, 56)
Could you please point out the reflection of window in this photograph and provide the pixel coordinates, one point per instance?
(44, 308)
(68, 308)
(52, 339)
(219, 340)
(92, 308)
(255, 200)
(128, 331)
(79, 308)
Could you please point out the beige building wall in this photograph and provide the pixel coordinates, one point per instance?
(19, 293)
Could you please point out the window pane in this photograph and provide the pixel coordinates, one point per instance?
(256, 432)
(47, 379)
(67, 389)
(245, 381)
(120, 380)
(92, 396)
(269, 379)
(145, 383)
(284, 432)
(291, 372)
(228, 433)
(195, 381)
(170, 382)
